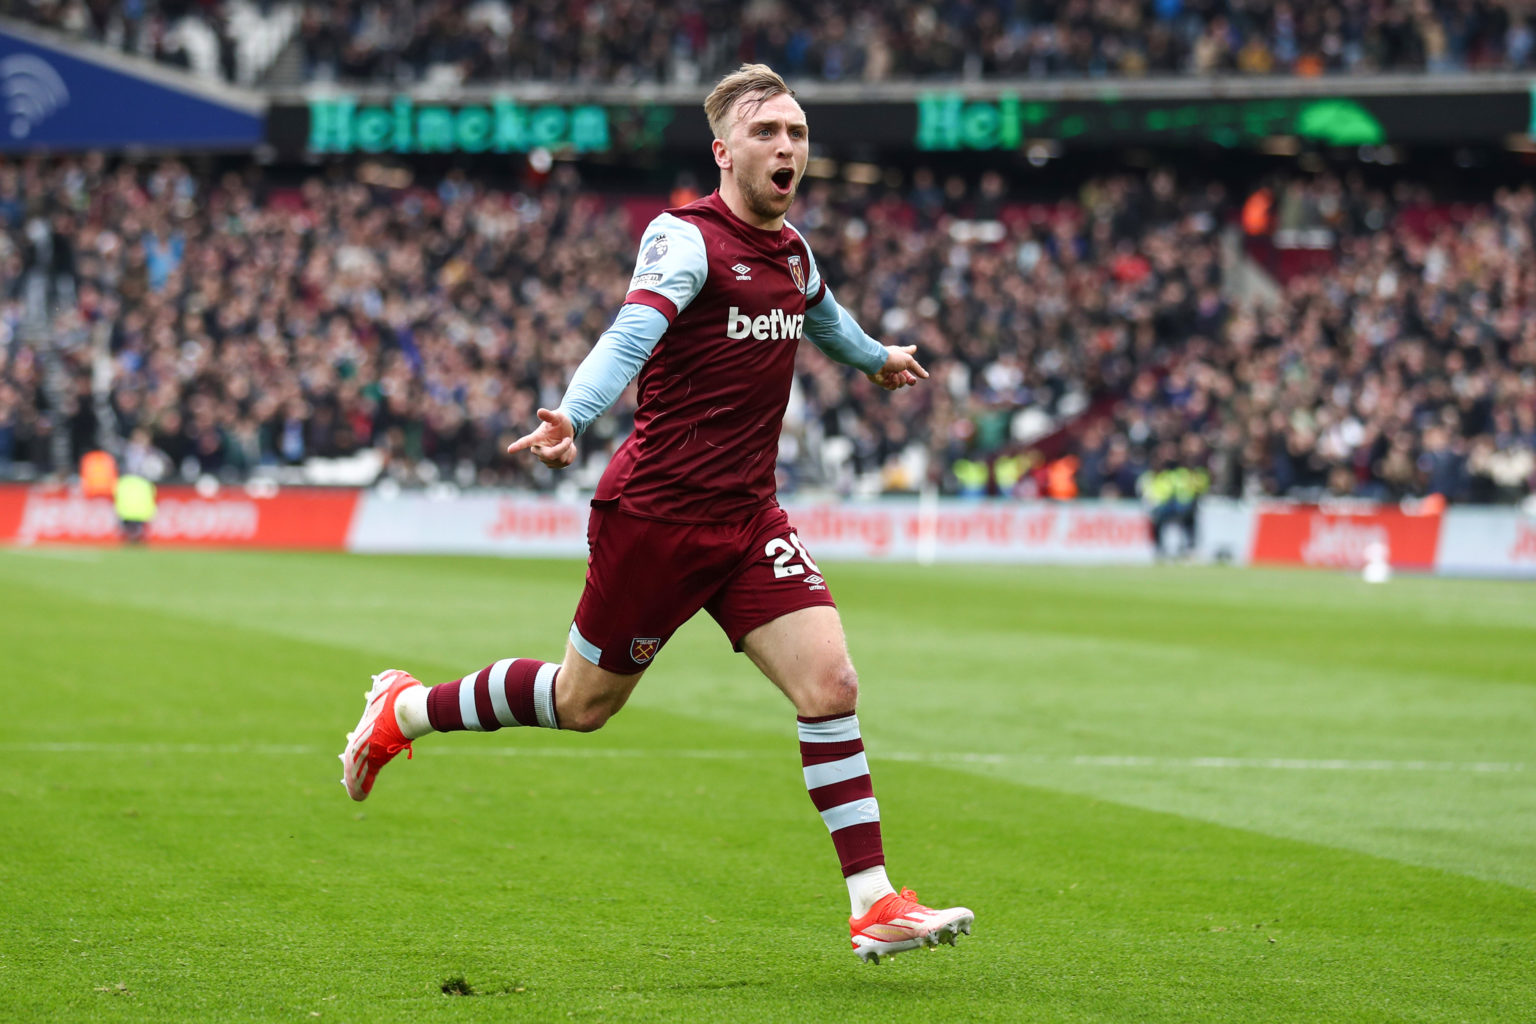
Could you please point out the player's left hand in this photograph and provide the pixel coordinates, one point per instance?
(553, 442)
(901, 368)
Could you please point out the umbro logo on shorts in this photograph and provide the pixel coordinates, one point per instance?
(643, 648)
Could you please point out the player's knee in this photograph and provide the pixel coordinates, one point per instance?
(589, 713)
(589, 718)
(586, 697)
(837, 690)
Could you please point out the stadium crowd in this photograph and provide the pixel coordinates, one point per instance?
(147, 28)
(219, 326)
(628, 41)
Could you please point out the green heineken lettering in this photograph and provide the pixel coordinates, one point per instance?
(435, 130)
(938, 121)
(945, 121)
(372, 126)
(589, 129)
(402, 111)
(339, 125)
(511, 128)
(472, 130)
(546, 126)
(330, 125)
(1008, 121)
(980, 126)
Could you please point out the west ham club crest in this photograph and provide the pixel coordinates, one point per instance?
(643, 648)
(797, 272)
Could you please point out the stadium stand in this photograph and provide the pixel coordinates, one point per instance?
(647, 41)
(232, 40)
(634, 41)
(243, 326)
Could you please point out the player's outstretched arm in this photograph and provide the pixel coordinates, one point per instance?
(901, 368)
(553, 442)
(834, 331)
(602, 376)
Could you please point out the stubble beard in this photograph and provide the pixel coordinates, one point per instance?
(765, 202)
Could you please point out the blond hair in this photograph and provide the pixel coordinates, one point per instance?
(753, 83)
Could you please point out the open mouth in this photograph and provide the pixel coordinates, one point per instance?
(784, 180)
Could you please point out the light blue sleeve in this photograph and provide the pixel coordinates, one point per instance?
(613, 362)
(672, 266)
(833, 330)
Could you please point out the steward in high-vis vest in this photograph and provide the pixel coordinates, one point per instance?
(135, 501)
(972, 476)
(1008, 470)
(1172, 495)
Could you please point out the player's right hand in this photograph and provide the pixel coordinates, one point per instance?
(553, 442)
(901, 369)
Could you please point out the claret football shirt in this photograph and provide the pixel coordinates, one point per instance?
(713, 391)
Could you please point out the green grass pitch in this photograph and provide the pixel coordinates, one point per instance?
(1169, 795)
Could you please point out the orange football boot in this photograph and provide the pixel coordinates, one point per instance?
(897, 922)
(377, 738)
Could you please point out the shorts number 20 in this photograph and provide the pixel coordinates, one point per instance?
(781, 551)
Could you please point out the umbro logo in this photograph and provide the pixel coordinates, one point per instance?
(743, 272)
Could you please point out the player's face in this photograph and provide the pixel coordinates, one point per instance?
(768, 150)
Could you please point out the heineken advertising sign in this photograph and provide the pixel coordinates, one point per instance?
(342, 124)
(926, 122)
(946, 121)
(952, 122)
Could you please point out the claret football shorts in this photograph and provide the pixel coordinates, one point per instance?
(646, 578)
